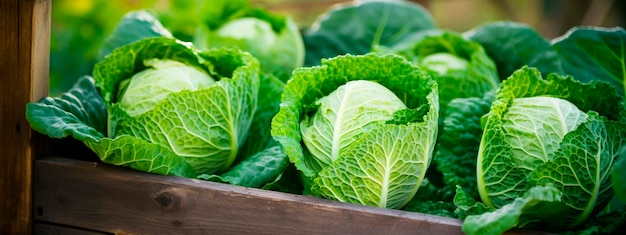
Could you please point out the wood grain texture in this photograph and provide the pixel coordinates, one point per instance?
(54, 229)
(118, 200)
(24, 66)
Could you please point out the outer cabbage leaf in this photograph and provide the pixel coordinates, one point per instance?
(511, 215)
(581, 168)
(255, 171)
(618, 176)
(462, 68)
(135, 25)
(259, 135)
(206, 126)
(362, 26)
(593, 53)
(609, 223)
(512, 45)
(139, 154)
(278, 57)
(467, 204)
(436, 202)
(261, 162)
(388, 171)
(81, 113)
(457, 146)
(379, 169)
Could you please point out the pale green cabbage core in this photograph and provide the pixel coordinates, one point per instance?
(535, 127)
(343, 115)
(442, 63)
(147, 88)
(249, 28)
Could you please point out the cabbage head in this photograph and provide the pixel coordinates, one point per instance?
(546, 154)
(274, 39)
(144, 90)
(175, 110)
(460, 66)
(360, 129)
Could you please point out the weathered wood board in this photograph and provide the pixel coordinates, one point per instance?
(24, 59)
(118, 200)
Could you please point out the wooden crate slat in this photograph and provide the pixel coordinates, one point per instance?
(24, 65)
(118, 200)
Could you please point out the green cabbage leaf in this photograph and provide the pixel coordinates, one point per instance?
(361, 27)
(512, 45)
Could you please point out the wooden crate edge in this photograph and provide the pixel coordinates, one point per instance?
(119, 200)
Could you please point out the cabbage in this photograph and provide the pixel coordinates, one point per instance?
(274, 39)
(360, 129)
(249, 28)
(169, 109)
(144, 90)
(460, 66)
(546, 154)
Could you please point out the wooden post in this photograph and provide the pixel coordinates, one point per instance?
(24, 70)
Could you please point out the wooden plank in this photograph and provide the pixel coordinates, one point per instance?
(118, 200)
(24, 65)
(54, 229)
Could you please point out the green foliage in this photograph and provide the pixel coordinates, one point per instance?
(460, 66)
(569, 145)
(591, 54)
(390, 111)
(458, 144)
(273, 39)
(512, 45)
(379, 164)
(363, 26)
(180, 120)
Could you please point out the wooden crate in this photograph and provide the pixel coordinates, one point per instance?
(55, 195)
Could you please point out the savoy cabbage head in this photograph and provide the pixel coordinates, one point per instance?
(160, 106)
(460, 66)
(546, 154)
(144, 90)
(274, 39)
(360, 129)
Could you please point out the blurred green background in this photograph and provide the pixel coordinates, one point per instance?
(79, 27)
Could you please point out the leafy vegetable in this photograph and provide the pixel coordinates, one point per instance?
(593, 53)
(458, 144)
(618, 176)
(145, 89)
(554, 133)
(512, 45)
(461, 67)
(367, 142)
(509, 216)
(273, 39)
(205, 126)
(79, 112)
(134, 26)
(160, 121)
(360, 27)
(357, 126)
